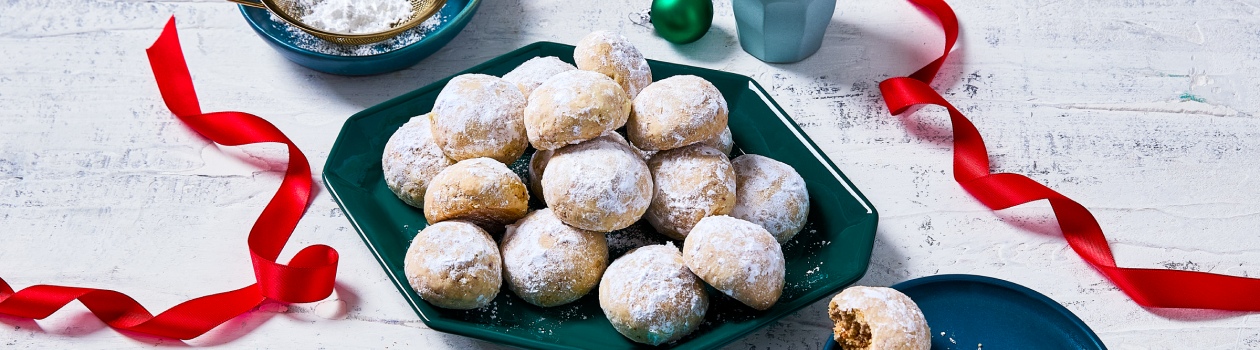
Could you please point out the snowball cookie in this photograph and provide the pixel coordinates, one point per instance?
(771, 194)
(650, 297)
(738, 258)
(690, 183)
(480, 190)
(538, 163)
(454, 265)
(878, 318)
(572, 107)
(548, 263)
(535, 71)
(675, 112)
(478, 115)
(724, 141)
(411, 159)
(611, 54)
(599, 185)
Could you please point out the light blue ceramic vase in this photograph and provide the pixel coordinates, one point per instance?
(782, 31)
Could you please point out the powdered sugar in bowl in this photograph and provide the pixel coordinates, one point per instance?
(391, 55)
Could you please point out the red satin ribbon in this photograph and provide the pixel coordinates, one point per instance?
(1147, 287)
(308, 277)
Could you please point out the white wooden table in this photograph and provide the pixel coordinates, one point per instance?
(1145, 112)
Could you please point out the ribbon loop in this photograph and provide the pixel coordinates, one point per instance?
(309, 277)
(1147, 287)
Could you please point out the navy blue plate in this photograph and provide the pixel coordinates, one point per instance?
(977, 312)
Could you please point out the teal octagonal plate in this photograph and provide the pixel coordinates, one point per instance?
(832, 251)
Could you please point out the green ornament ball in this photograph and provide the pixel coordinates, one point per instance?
(682, 21)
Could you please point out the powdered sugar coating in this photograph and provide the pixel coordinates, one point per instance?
(480, 190)
(354, 16)
(411, 159)
(548, 263)
(771, 194)
(650, 297)
(538, 163)
(675, 112)
(723, 141)
(622, 140)
(478, 115)
(892, 319)
(738, 258)
(598, 185)
(454, 265)
(690, 183)
(572, 107)
(611, 54)
(529, 75)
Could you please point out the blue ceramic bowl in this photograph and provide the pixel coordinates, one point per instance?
(457, 12)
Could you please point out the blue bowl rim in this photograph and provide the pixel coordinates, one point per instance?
(463, 15)
(1001, 283)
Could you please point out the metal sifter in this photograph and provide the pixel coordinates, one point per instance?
(290, 12)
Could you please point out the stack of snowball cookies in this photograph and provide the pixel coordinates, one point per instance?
(671, 168)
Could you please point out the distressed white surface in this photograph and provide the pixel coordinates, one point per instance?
(1144, 111)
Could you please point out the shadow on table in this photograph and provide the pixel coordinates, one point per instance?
(888, 263)
(82, 324)
(1195, 314)
(851, 55)
(241, 325)
(716, 46)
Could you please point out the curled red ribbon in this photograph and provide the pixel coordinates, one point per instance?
(1147, 287)
(308, 277)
